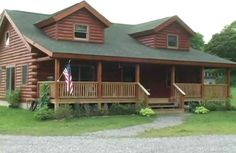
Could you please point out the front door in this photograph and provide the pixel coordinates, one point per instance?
(10, 78)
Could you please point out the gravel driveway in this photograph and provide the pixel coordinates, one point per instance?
(193, 144)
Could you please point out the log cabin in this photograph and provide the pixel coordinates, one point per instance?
(151, 62)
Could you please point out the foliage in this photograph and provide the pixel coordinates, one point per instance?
(146, 112)
(212, 123)
(22, 122)
(43, 113)
(201, 110)
(44, 99)
(197, 41)
(13, 98)
(64, 111)
(223, 43)
(219, 105)
(192, 106)
(122, 109)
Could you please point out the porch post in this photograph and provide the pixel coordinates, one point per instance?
(56, 77)
(137, 79)
(228, 82)
(99, 80)
(202, 83)
(172, 81)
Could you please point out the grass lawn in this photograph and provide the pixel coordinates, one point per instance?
(233, 94)
(212, 123)
(22, 122)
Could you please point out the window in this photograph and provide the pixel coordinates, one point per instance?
(10, 78)
(81, 32)
(172, 41)
(24, 74)
(7, 39)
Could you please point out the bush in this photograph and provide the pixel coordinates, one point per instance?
(192, 106)
(122, 109)
(146, 112)
(43, 113)
(64, 111)
(201, 110)
(13, 98)
(44, 99)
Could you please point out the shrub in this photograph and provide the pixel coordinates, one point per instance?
(124, 109)
(146, 112)
(43, 113)
(64, 111)
(44, 99)
(192, 106)
(201, 110)
(13, 98)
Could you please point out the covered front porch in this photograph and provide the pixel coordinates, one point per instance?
(119, 82)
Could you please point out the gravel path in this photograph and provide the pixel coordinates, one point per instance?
(193, 144)
(160, 122)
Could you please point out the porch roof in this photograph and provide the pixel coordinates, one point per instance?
(118, 43)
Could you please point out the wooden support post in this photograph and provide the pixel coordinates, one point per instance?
(228, 82)
(99, 79)
(202, 82)
(137, 79)
(172, 82)
(56, 77)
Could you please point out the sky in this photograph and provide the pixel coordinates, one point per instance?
(205, 16)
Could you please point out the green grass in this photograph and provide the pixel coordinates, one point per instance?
(22, 122)
(212, 123)
(233, 94)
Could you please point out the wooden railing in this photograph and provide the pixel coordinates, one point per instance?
(179, 95)
(90, 89)
(142, 94)
(80, 90)
(118, 90)
(192, 90)
(51, 87)
(216, 91)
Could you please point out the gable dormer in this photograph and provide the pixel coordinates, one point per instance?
(79, 22)
(166, 33)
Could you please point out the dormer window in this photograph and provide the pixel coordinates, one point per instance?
(81, 32)
(7, 39)
(172, 41)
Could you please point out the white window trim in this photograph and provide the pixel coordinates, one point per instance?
(7, 41)
(83, 39)
(171, 47)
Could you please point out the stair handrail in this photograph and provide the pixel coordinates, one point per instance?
(143, 89)
(182, 96)
(179, 89)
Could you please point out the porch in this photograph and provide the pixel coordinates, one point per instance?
(119, 82)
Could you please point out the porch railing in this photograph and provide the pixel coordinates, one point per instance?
(205, 91)
(179, 95)
(109, 90)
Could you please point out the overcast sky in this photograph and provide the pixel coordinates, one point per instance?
(205, 16)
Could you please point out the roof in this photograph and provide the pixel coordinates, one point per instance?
(68, 11)
(158, 25)
(118, 43)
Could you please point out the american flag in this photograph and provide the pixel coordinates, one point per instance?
(68, 78)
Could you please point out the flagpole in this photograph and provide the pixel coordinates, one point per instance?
(62, 73)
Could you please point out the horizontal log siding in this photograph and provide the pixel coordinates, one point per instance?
(51, 31)
(17, 55)
(148, 40)
(175, 28)
(65, 28)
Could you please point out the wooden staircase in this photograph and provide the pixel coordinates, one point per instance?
(163, 104)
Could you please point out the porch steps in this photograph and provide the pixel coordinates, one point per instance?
(169, 111)
(163, 105)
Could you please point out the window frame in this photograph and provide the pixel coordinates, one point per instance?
(87, 32)
(11, 79)
(177, 41)
(24, 79)
(7, 39)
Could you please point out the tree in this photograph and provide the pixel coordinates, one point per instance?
(197, 41)
(223, 44)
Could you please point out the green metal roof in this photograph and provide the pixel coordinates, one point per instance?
(148, 25)
(118, 42)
